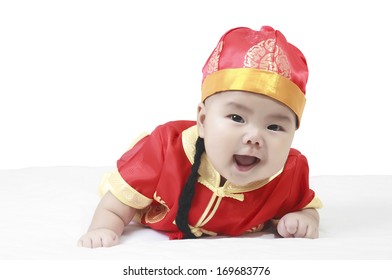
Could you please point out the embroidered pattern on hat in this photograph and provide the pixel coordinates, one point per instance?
(266, 55)
(213, 62)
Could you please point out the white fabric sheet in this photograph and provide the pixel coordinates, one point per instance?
(45, 210)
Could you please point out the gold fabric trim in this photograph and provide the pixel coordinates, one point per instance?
(104, 185)
(156, 213)
(316, 203)
(200, 231)
(189, 137)
(258, 81)
(215, 200)
(114, 183)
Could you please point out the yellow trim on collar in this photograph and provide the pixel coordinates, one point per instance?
(258, 81)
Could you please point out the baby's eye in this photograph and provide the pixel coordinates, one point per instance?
(275, 127)
(236, 118)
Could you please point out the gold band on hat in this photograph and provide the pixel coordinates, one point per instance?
(258, 81)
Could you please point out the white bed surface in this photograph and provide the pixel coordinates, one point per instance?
(44, 210)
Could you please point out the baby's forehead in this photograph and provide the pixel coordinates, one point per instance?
(249, 102)
(238, 97)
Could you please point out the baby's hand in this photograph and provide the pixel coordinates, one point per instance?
(98, 238)
(299, 224)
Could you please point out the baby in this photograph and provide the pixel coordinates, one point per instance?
(231, 171)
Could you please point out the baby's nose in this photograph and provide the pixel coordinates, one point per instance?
(254, 137)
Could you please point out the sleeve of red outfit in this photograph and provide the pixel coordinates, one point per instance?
(138, 171)
(300, 195)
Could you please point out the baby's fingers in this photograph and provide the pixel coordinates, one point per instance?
(311, 232)
(98, 238)
(86, 242)
(287, 227)
(109, 240)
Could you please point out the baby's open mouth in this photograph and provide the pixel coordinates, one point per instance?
(244, 162)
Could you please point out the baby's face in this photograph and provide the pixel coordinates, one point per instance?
(247, 136)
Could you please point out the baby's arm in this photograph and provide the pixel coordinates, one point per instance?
(108, 223)
(303, 223)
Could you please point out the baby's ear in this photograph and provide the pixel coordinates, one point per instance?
(201, 116)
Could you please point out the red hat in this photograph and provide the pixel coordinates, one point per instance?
(258, 61)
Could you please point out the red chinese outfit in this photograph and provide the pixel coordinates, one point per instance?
(151, 175)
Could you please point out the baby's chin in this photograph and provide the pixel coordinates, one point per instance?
(243, 183)
(246, 180)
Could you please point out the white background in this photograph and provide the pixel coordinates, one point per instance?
(80, 79)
